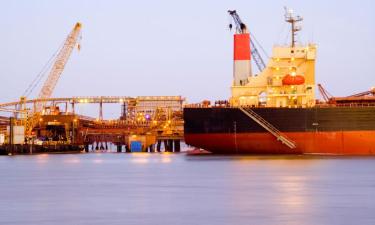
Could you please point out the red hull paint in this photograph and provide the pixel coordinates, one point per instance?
(337, 143)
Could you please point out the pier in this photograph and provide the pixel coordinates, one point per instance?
(146, 124)
(52, 124)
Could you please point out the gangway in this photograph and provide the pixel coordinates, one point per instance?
(269, 127)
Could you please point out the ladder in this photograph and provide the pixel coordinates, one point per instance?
(269, 127)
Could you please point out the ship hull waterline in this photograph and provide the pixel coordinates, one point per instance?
(321, 143)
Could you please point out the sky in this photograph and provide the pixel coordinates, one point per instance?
(140, 48)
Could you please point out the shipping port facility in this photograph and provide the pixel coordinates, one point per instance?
(50, 124)
(274, 111)
(187, 112)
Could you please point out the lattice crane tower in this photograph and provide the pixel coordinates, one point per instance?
(59, 64)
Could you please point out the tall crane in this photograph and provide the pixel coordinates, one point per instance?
(242, 29)
(49, 85)
(59, 64)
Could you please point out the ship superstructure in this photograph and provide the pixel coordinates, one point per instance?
(288, 80)
(275, 111)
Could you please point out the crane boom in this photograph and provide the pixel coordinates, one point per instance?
(59, 64)
(365, 93)
(325, 94)
(242, 29)
(256, 56)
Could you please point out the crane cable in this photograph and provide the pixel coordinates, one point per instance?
(258, 44)
(42, 73)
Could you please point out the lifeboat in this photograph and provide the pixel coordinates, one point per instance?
(293, 80)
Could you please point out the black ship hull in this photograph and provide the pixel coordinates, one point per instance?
(318, 130)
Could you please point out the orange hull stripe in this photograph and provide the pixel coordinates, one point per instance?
(338, 143)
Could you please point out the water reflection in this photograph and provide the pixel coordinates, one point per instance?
(72, 160)
(97, 161)
(145, 158)
(294, 194)
(142, 188)
(42, 158)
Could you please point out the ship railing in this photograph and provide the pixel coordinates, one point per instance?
(349, 105)
(320, 105)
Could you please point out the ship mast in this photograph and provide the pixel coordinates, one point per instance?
(293, 20)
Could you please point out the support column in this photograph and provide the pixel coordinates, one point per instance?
(166, 146)
(177, 146)
(151, 148)
(11, 136)
(73, 109)
(127, 149)
(170, 144)
(101, 110)
(73, 133)
(15, 114)
(158, 146)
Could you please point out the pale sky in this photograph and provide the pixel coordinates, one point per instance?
(137, 48)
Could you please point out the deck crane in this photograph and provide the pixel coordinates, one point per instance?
(365, 93)
(328, 98)
(242, 29)
(59, 64)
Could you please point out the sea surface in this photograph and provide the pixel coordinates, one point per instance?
(162, 188)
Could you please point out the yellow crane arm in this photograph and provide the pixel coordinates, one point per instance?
(59, 64)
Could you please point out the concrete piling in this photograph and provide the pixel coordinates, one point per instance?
(170, 145)
(177, 146)
(158, 146)
(127, 149)
(166, 146)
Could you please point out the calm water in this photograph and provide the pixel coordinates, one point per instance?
(109, 188)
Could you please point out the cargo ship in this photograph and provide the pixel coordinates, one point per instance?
(275, 111)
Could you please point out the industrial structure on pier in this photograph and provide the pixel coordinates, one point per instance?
(52, 124)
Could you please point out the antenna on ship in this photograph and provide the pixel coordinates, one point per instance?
(293, 20)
